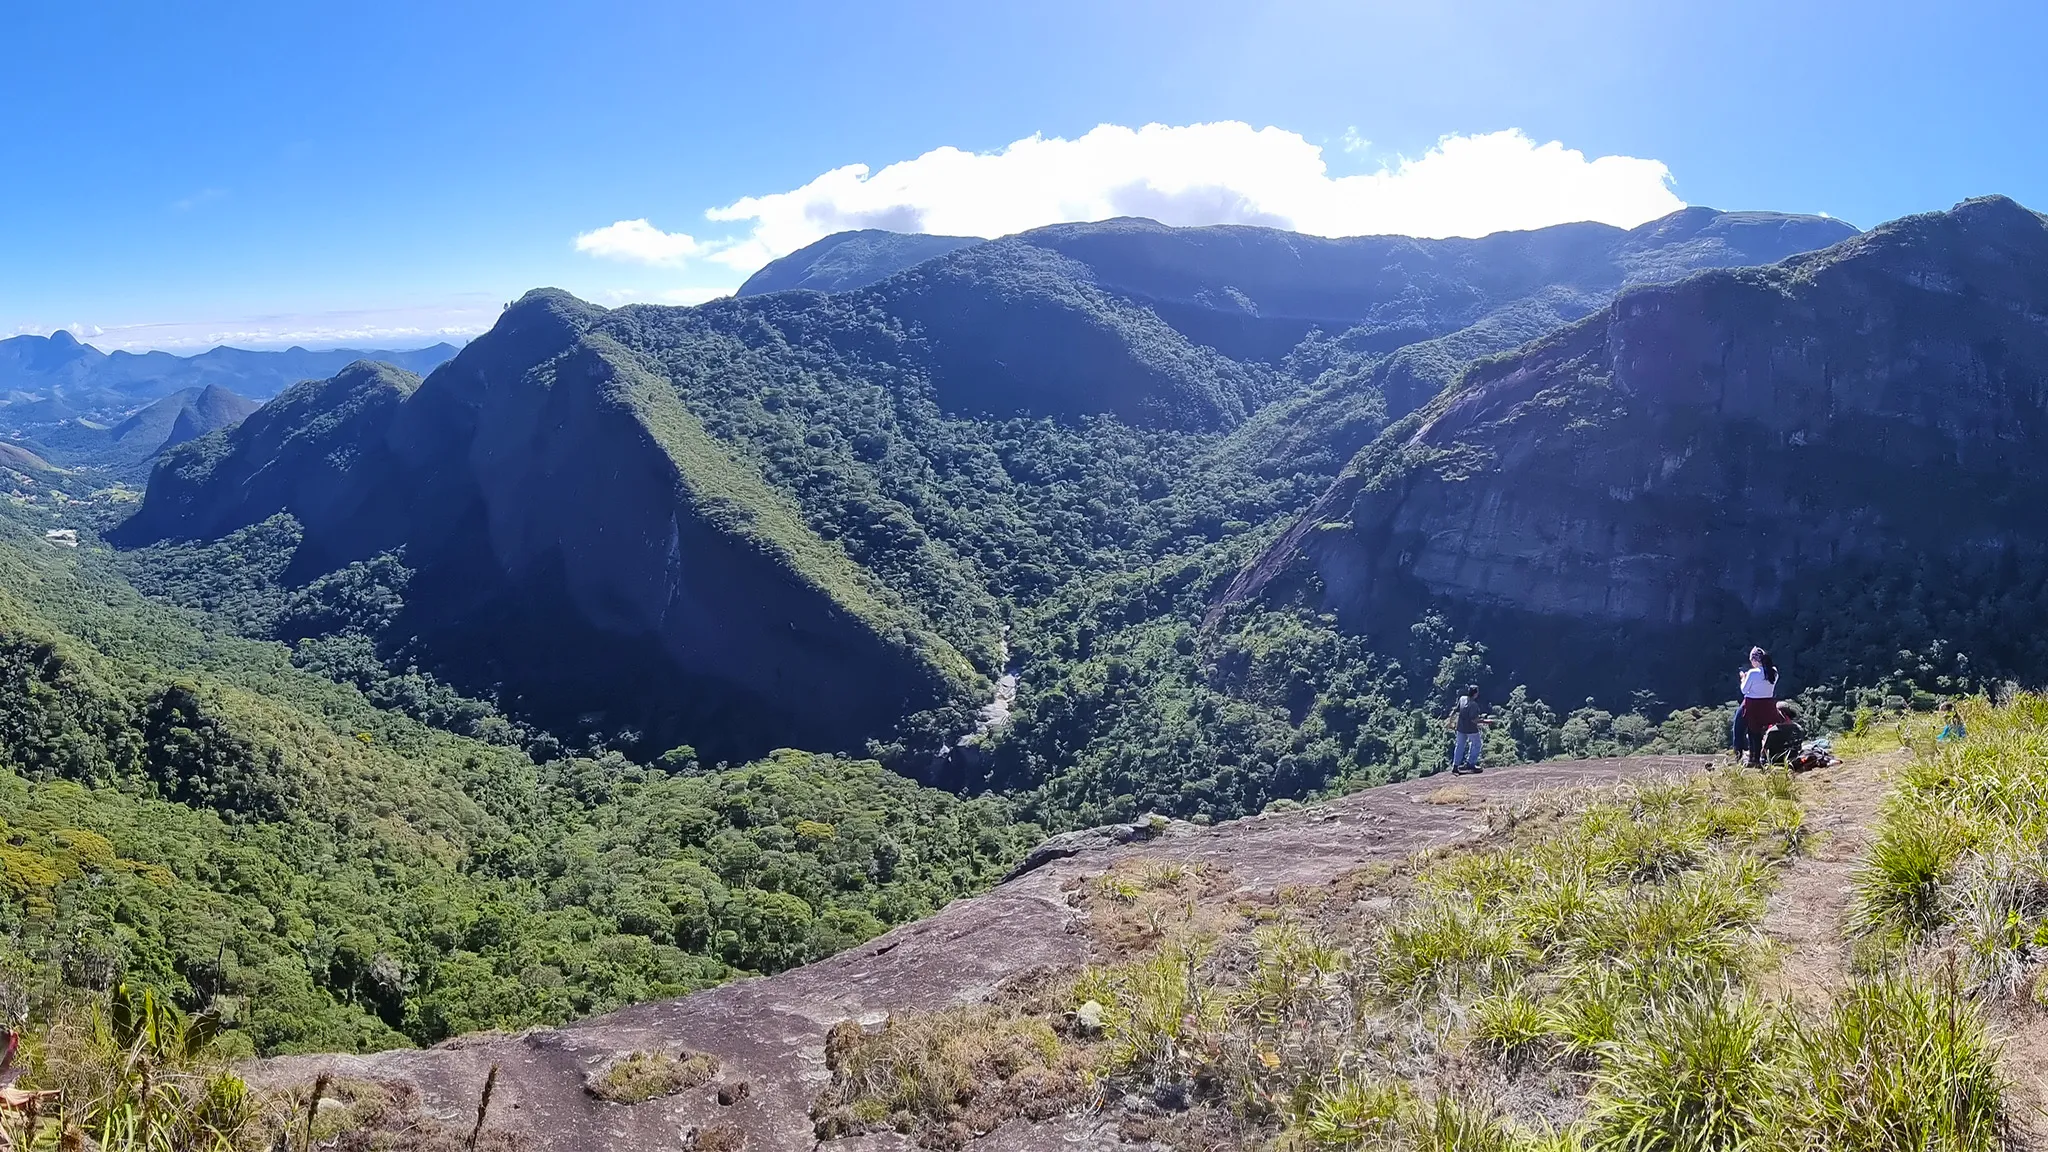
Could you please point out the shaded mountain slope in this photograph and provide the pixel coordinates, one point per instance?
(577, 543)
(1702, 462)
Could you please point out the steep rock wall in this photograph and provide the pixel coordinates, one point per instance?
(1609, 504)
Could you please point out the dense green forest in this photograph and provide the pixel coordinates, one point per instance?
(183, 808)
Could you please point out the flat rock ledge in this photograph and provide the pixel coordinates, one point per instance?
(769, 1033)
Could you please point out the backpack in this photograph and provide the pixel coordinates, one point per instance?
(1781, 741)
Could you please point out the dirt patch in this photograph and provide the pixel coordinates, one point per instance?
(1806, 916)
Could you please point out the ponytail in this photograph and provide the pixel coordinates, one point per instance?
(1770, 669)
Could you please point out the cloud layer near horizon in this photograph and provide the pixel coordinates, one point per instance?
(1221, 173)
(417, 326)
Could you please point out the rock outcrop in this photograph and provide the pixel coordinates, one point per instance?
(1607, 502)
(769, 1033)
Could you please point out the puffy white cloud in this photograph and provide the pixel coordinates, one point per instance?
(1221, 173)
(639, 242)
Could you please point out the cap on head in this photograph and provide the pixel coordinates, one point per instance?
(1473, 690)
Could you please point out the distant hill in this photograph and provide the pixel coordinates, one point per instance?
(126, 449)
(47, 381)
(846, 260)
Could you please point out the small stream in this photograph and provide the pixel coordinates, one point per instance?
(996, 713)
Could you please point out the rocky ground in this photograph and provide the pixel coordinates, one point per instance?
(769, 1033)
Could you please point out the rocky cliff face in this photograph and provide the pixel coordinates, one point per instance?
(578, 541)
(1610, 503)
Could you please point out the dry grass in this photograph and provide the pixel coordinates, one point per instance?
(715, 1138)
(946, 1077)
(1132, 908)
(1583, 978)
(641, 1076)
(1451, 794)
(374, 1116)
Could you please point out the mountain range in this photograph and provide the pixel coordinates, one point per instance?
(822, 519)
(79, 405)
(1708, 460)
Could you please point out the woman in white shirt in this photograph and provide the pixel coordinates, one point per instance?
(1759, 684)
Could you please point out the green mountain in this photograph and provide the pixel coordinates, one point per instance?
(1840, 454)
(84, 407)
(127, 450)
(831, 520)
(404, 707)
(847, 260)
(184, 809)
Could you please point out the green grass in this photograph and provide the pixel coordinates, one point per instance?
(1899, 1062)
(1691, 1074)
(1604, 954)
(1957, 857)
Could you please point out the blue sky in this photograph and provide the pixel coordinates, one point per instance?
(375, 173)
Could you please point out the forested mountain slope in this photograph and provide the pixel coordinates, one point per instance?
(570, 530)
(1843, 452)
(185, 810)
(1061, 438)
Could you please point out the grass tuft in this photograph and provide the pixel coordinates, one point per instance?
(641, 1076)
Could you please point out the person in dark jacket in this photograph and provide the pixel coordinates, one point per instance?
(1468, 721)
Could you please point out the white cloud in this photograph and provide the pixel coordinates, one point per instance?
(639, 242)
(1221, 173)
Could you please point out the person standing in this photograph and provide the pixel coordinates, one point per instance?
(1467, 722)
(1759, 702)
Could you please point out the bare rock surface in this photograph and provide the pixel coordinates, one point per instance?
(768, 1033)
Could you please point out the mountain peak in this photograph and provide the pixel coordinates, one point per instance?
(844, 261)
